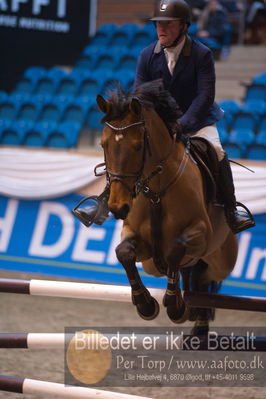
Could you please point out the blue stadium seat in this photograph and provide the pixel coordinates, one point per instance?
(8, 109)
(108, 28)
(64, 136)
(3, 96)
(41, 99)
(71, 131)
(47, 85)
(85, 62)
(260, 79)
(223, 124)
(69, 84)
(261, 137)
(45, 127)
(149, 27)
(262, 123)
(62, 100)
(223, 134)
(22, 126)
(126, 77)
(127, 61)
(4, 124)
(106, 61)
(26, 84)
(193, 29)
(35, 71)
(100, 38)
(130, 27)
(29, 79)
(255, 107)
(11, 136)
(56, 72)
(244, 120)
(256, 152)
(231, 106)
(51, 111)
(91, 86)
(94, 118)
(34, 138)
(255, 92)
(242, 136)
(141, 38)
(120, 38)
(19, 98)
(233, 150)
(28, 110)
(76, 112)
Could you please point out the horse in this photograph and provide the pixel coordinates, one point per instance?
(156, 188)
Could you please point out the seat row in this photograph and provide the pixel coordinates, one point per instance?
(129, 35)
(78, 110)
(243, 121)
(78, 82)
(253, 151)
(40, 134)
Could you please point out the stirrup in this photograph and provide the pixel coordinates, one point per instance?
(246, 224)
(96, 213)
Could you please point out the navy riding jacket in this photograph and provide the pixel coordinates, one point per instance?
(192, 84)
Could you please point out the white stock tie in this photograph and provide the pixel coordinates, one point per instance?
(171, 62)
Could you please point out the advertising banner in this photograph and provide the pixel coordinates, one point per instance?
(43, 237)
(42, 32)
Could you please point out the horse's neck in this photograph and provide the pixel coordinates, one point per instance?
(160, 141)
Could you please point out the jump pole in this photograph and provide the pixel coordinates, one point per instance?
(121, 293)
(27, 386)
(59, 340)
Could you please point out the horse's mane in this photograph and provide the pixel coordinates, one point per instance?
(150, 95)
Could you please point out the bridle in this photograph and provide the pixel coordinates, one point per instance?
(118, 177)
(141, 183)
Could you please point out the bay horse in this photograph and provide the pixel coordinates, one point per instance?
(157, 189)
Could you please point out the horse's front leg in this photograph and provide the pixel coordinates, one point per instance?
(173, 301)
(147, 306)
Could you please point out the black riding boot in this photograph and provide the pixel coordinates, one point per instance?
(235, 221)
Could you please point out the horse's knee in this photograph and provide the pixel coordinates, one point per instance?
(126, 251)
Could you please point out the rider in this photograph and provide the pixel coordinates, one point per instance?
(187, 69)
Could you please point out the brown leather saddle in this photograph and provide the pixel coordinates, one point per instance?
(205, 156)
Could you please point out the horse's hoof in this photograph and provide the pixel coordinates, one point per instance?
(178, 315)
(150, 310)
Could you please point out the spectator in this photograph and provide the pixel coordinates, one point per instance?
(212, 22)
(256, 23)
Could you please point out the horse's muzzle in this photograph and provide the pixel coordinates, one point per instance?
(121, 213)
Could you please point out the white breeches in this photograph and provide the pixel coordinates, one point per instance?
(211, 134)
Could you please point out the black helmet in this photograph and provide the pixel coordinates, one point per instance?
(170, 10)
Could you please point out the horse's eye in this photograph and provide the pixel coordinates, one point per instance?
(138, 147)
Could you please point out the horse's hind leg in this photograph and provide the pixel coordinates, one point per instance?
(202, 316)
(147, 306)
(173, 301)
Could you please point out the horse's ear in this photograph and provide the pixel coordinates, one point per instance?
(135, 106)
(103, 104)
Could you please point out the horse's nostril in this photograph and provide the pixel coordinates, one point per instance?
(122, 212)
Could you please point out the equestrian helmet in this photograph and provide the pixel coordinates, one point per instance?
(171, 10)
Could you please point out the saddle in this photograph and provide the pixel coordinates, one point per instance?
(205, 156)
